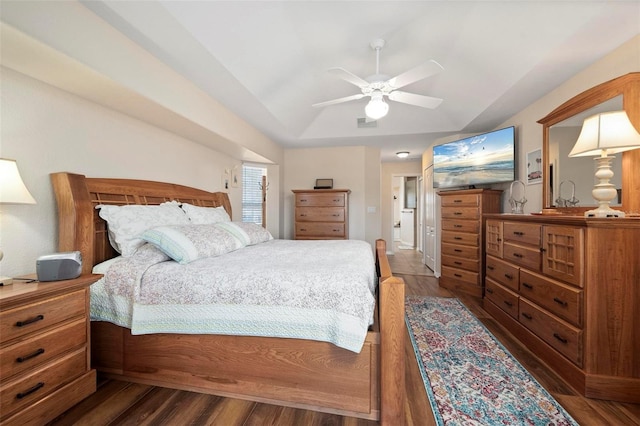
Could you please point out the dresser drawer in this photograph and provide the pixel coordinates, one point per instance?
(18, 322)
(524, 256)
(460, 213)
(320, 214)
(41, 348)
(320, 199)
(319, 230)
(523, 233)
(559, 334)
(461, 262)
(503, 272)
(461, 275)
(460, 238)
(472, 226)
(466, 252)
(19, 393)
(460, 200)
(559, 299)
(502, 297)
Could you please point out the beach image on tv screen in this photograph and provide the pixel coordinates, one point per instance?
(481, 159)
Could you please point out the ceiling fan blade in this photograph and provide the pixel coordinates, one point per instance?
(420, 72)
(349, 77)
(339, 100)
(413, 99)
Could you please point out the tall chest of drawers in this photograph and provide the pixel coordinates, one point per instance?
(462, 237)
(321, 214)
(44, 349)
(567, 288)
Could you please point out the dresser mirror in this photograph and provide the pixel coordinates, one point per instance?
(567, 182)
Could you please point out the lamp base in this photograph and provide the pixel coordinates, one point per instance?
(5, 281)
(603, 211)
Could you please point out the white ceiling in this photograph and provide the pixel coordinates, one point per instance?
(267, 60)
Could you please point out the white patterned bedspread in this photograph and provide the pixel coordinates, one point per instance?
(318, 290)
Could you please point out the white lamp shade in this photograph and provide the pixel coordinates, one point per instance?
(12, 189)
(377, 107)
(606, 133)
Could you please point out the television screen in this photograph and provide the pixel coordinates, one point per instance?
(476, 160)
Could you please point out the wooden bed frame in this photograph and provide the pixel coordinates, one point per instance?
(291, 372)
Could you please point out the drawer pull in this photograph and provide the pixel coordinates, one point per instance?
(527, 285)
(28, 357)
(457, 275)
(336, 230)
(29, 321)
(499, 239)
(457, 238)
(336, 215)
(30, 390)
(303, 229)
(560, 338)
(490, 291)
(337, 200)
(509, 304)
(490, 267)
(457, 226)
(303, 200)
(457, 213)
(457, 263)
(303, 215)
(518, 233)
(457, 201)
(527, 316)
(560, 301)
(508, 276)
(457, 250)
(518, 255)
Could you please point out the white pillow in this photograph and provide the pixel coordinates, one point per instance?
(126, 223)
(205, 215)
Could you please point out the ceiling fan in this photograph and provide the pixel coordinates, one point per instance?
(379, 85)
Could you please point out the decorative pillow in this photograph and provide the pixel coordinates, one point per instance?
(186, 243)
(126, 223)
(248, 233)
(205, 215)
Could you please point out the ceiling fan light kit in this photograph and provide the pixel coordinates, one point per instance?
(379, 85)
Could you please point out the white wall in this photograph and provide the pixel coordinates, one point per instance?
(48, 130)
(356, 168)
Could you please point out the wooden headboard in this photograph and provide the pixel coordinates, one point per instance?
(81, 228)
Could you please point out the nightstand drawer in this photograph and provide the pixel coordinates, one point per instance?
(320, 214)
(37, 316)
(460, 238)
(41, 348)
(20, 393)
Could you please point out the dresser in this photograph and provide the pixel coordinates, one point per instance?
(569, 289)
(321, 214)
(462, 237)
(44, 349)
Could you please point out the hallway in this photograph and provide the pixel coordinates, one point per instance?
(408, 262)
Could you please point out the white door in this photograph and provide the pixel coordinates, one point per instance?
(407, 228)
(419, 215)
(430, 240)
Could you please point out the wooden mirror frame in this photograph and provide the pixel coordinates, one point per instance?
(628, 86)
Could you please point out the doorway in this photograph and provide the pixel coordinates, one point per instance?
(406, 211)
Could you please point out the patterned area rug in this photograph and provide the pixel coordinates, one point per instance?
(469, 376)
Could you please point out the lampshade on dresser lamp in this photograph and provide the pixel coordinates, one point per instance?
(603, 135)
(12, 191)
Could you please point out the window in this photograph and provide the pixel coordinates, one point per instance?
(252, 193)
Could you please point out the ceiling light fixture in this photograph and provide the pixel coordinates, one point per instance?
(377, 107)
(402, 154)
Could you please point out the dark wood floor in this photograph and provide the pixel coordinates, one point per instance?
(121, 403)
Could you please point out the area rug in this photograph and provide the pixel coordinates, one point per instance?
(470, 378)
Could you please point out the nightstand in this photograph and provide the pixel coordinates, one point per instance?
(44, 349)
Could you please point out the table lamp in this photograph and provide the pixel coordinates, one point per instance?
(12, 191)
(603, 135)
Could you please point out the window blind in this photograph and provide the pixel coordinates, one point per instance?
(252, 193)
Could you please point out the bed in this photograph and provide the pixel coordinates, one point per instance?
(294, 372)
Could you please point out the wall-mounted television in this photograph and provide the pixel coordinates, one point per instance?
(477, 160)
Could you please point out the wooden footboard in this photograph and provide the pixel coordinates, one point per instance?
(291, 372)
